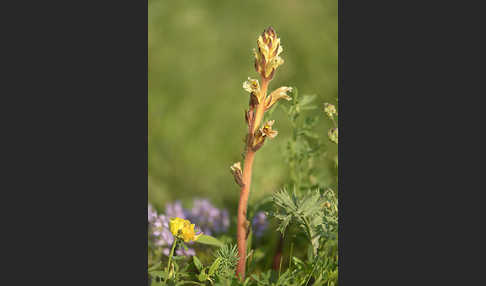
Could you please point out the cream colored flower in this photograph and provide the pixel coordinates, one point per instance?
(268, 131)
(236, 167)
(276, 95)
(237, 173)
(251, 85)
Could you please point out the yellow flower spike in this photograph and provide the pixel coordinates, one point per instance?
(183, 229)
(258, 61)
(267, 58)
(263, 48)
(276, 95)
(274, 63)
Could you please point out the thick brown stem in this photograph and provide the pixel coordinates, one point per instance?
(242, 207)
(241, 228)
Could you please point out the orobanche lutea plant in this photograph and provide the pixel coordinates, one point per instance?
(267, 60)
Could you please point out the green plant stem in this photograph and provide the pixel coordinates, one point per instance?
(291, 253)
(310, 234)
(310, 275)
(171, 254)
(333, 122)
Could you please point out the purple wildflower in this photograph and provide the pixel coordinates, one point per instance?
(208, 218)
(259, 223)
(175, 210)
(152, 214)
(160, 233)
(225, 220)
(182, 252)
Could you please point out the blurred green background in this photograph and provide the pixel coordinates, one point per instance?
(199, 54)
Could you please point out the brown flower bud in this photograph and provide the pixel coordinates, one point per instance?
(253, 100)
(258, 140)
(248, 116)
(237, 173)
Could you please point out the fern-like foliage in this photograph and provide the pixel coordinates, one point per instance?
(305, 145)
(228, 255)
(315, 213)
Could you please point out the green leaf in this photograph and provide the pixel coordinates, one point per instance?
(202, 276)
(159, 283)
(307, 99)
(155, 266)
(310, 107)
(283, 200)
(209, 240)
(310, 134)
(283, 225)
(214, 266)
(159, 273)
(298, 263)
(197, 263)
(294, 93)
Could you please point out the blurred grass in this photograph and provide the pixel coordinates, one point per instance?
(199, 53)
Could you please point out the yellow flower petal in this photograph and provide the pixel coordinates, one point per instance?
(183, 229)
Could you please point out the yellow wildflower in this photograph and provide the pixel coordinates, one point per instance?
(182, 228)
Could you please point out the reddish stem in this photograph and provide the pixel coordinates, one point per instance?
(246, 178)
